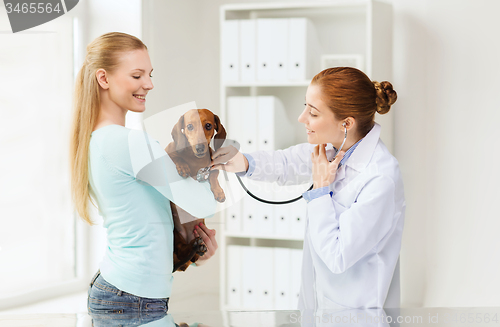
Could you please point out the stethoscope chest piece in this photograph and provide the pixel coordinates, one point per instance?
(203, 174)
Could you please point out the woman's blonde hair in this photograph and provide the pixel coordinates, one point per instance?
(103, 52)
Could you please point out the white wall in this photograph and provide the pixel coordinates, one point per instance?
(445, 72)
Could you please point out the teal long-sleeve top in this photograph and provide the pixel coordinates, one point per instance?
(132, 180)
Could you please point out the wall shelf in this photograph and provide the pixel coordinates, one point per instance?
(343, 27)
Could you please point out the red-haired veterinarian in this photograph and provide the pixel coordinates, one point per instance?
(355, 211)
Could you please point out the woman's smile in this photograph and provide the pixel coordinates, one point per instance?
(140, 97)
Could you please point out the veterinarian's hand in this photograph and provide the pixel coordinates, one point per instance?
(235, 161)
(208, 237)
(324, 172)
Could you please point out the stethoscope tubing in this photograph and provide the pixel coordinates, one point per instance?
(291, 200)
(267, 201)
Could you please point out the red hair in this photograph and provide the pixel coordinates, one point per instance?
(348, 92)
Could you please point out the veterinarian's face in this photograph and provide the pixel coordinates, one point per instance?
(131, 81)
(319, 120)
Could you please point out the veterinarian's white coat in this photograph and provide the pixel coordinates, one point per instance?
(352, 237)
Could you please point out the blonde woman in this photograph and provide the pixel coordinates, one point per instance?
(131, 178)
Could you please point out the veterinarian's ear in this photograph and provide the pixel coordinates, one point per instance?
(221, 133)
(102, 78)
(180, 139)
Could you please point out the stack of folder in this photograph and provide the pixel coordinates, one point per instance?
(269, 49)
(263, 277)
(260, 123)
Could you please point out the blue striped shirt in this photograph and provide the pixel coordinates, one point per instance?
(317, 192)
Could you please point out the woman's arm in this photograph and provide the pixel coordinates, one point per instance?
(340, 241)
(290, 166)
(150, 164)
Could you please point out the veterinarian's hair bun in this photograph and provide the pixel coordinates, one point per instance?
(386, 96)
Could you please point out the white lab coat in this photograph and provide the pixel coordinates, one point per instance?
(352, 237)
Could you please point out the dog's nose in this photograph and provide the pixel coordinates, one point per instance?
(200, 148)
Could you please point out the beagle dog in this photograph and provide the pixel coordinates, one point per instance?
(190, 151)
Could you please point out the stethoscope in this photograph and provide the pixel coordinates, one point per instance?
(203, 174)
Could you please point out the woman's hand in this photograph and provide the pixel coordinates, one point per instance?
(208, 237)
(324, 172)
(234, 159)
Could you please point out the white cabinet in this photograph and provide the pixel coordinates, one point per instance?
(278, 50)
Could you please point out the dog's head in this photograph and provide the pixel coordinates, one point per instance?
(195, 129)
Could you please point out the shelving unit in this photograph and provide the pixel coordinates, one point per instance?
(356, 27)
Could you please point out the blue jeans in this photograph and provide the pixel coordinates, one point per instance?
(110, 306)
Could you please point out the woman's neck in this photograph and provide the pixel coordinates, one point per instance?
(110, 112)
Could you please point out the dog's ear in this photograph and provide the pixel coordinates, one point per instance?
(221, 133)
(180, 139)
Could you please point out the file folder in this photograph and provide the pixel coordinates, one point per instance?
(296, 272)
(248, 52)
(249, 221)
(234, 270)
(264, 49)
(298, 216)
(248, 119)
(250, 275)
(303, 50)
(279, 50)
(274, 127)
(234, 217)
(265, 280)
(264, 216)
(230, 51)
(242, 122)
(282, 277)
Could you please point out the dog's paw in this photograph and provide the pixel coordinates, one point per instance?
(199, 246)
(183, 169)
(219, 195)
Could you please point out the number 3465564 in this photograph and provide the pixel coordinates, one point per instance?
(32, 8)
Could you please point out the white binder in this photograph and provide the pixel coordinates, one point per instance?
(234, 123)
(265, 279)
(249, 219)
(248, 52)
(296, 272)
(264, 49)
(242, 122)
(230, 51)
(282, 220)
(250, 275)
(298, 216)
(303, 50)
(279, 50)
(282, 277)
(234, 271)
(282, 212)
(234, 217)
(273, 124)
(248, 120)
(264, 216)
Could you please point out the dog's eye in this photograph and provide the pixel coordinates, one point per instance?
(208, 126)
(190, 127)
